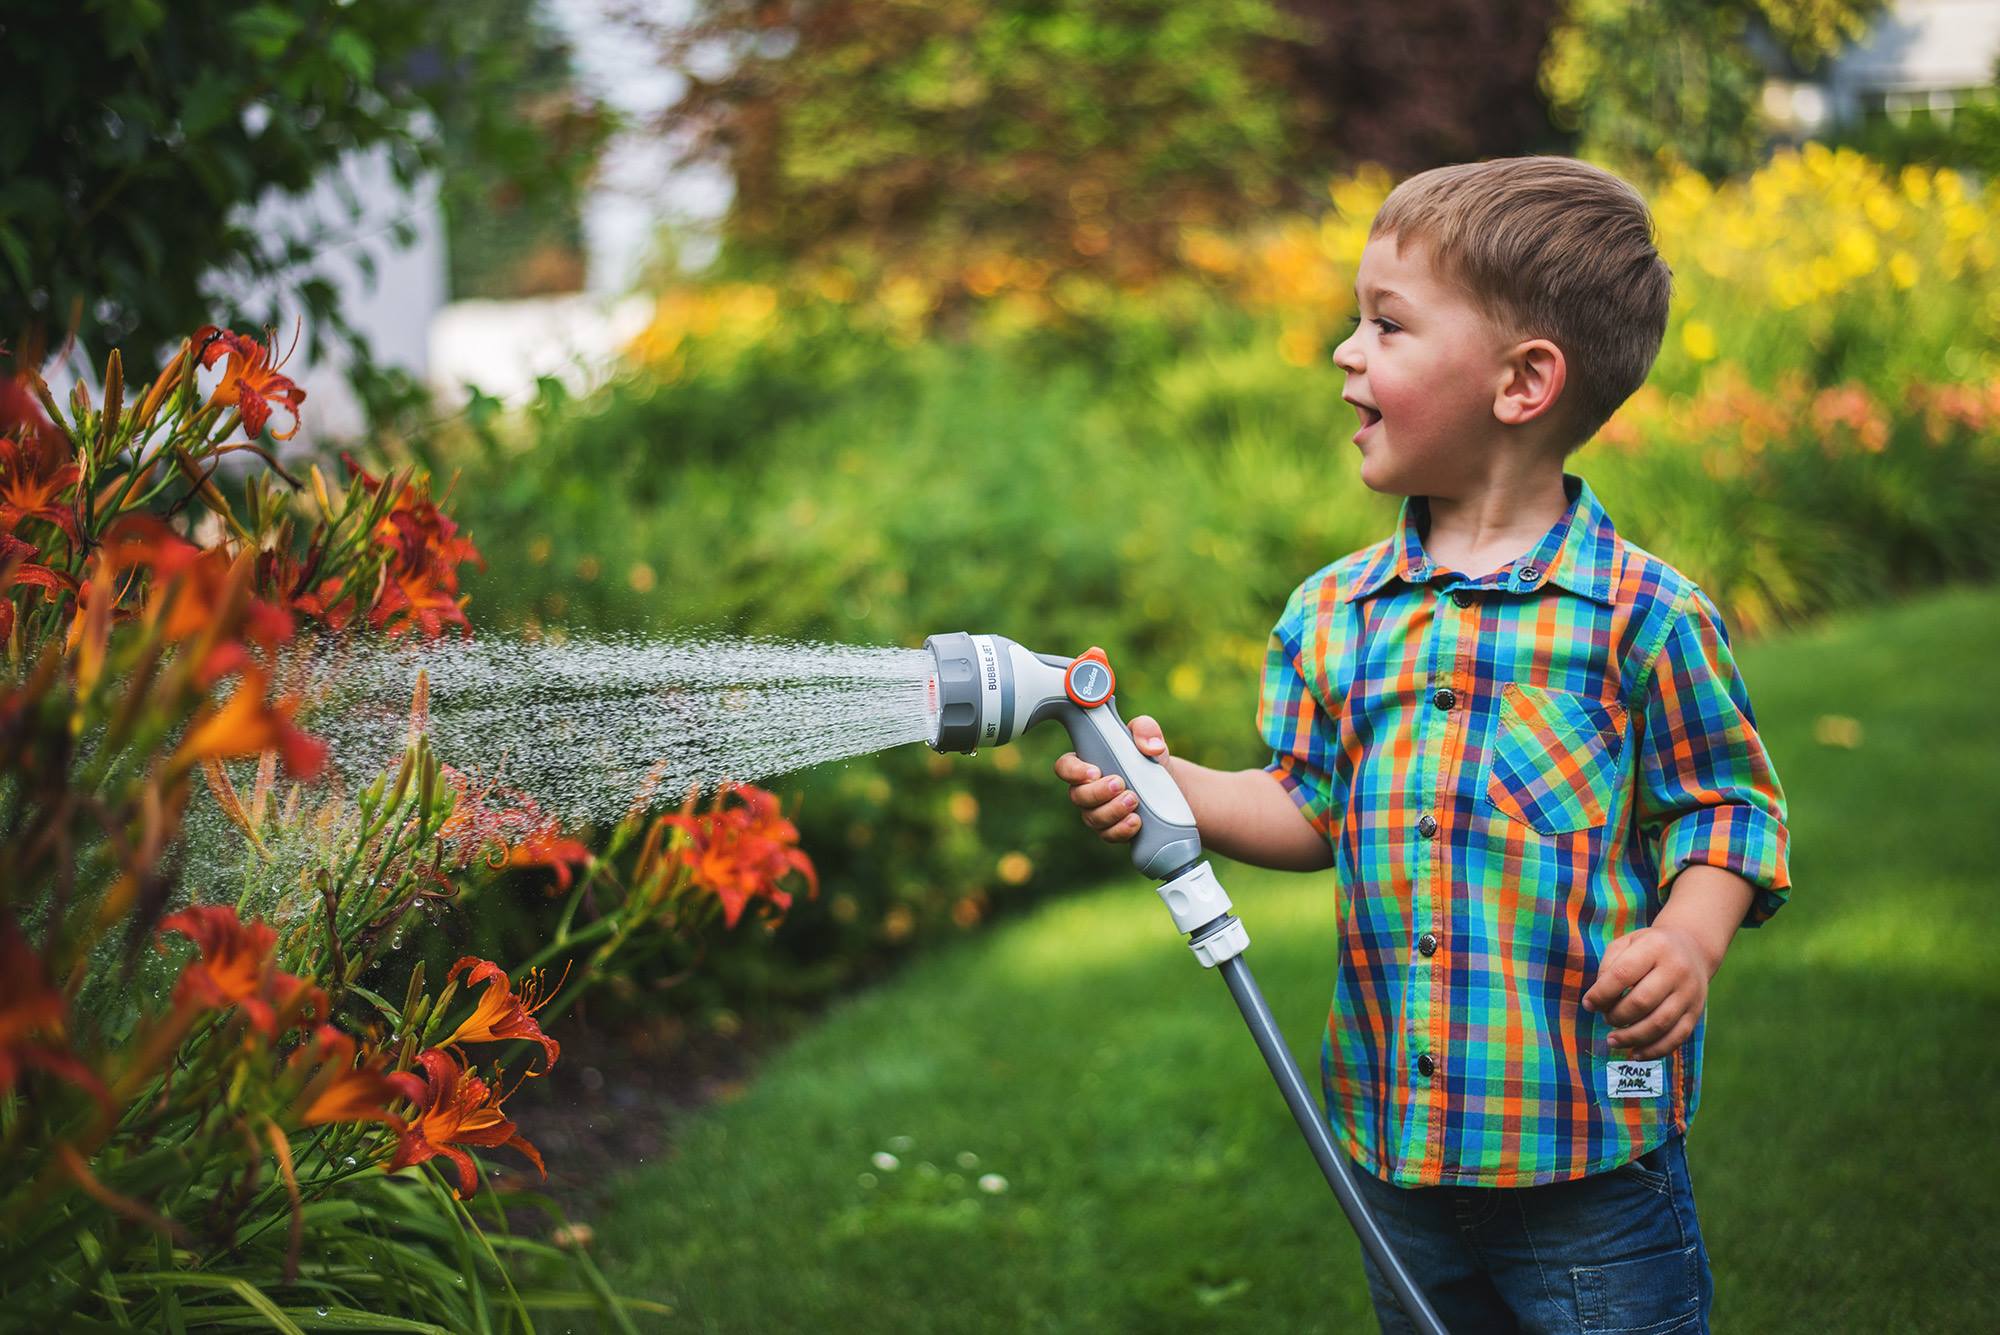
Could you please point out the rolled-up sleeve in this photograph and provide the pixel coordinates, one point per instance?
(1706, 789)
(1293, 720)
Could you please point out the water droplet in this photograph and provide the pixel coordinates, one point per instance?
(902, 1144)
(967, 1159)
(350, 1162)
(867, 1179)
(993, 1184)
(885, 1161)
(319, 1311)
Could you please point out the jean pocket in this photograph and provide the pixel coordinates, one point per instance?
(1638, 1171)
(1646, 1295)
(1555, 758)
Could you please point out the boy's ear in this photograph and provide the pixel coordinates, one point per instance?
(1532, 381)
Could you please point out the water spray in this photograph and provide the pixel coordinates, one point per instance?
(986, 690)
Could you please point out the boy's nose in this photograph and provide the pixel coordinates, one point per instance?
(1347, 356)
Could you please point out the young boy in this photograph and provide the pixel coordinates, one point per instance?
(1523, 746)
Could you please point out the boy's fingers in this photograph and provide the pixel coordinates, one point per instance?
(1146, 732)
(1650, 1028)
(1621, 968)
(1107, 789)
(1647, 996)
(1683, 1029)
(1109, 814)
(1123, 830)
(1072, 768)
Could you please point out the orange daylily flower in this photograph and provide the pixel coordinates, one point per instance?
(31, 1018)
(545, 848)
(420, 588)
(491, 816)
(501, 1014)
(248, 725)
(340, 1091)
(457, 1108)
(743, 852)
(18, 566)
(237, 968)
(250, 381)
(192, 586)
(31, 485)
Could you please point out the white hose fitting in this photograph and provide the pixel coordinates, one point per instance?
(1196, 899)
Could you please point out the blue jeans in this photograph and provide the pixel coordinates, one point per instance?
(1615, 1251)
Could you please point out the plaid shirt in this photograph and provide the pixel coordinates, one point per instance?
(1511, 771)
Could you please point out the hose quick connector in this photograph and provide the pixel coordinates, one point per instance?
(1200, 907)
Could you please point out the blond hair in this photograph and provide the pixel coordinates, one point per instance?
(1548, 247)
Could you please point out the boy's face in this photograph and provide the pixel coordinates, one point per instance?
(1423, 368)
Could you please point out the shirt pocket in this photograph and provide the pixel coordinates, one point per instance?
(1555, 758)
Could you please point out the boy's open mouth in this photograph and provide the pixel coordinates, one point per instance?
(1369, 417)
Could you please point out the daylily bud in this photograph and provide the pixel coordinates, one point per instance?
(319, 492)
(163, 385)
(402, 779)
(439, 1006)
(114, 399)
(413, 997)
(49, 401)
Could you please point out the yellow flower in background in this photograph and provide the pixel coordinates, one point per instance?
(1903, 269)
(1184, 682)
(1298, 345)
(1857, 252)
(1698, 340)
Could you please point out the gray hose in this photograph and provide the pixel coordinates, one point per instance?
(1305, 1111)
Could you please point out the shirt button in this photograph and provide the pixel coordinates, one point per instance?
(1425, 1066)
(1420, 574)
(1462, 598)
(1428, 943)
(1444, 697)
(1530, 574)
(1427, 827)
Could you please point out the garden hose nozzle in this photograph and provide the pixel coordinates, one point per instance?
(987, 690)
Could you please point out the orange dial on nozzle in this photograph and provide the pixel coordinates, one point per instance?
(1088, 680)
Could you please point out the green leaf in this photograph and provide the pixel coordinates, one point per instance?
(17, 255)
(209, 103)
(352, 54)
(242, 1290)
(395, 1016)
(266, 30)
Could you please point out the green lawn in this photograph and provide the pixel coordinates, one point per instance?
(1846, 1157)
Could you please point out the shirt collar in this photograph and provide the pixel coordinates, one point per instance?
(1579, 552)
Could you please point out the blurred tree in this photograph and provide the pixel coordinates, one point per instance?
(509, 237)
(1413, 84)
(134, 131)
(1079, 133)
(1965, 135)
(1680, 77)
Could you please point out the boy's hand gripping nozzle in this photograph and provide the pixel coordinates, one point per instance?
(988, 690)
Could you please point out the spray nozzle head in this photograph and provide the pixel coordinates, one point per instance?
(956, 696)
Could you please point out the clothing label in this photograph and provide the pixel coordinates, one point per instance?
(1637, 1080)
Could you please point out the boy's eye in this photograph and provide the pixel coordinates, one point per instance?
(1386, 326)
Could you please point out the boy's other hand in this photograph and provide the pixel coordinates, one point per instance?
(1651, 985)
(1109, 807)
